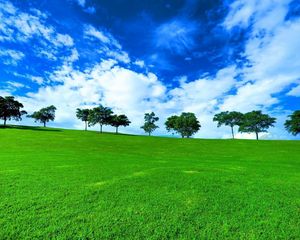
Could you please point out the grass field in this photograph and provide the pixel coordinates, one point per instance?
(67, 184)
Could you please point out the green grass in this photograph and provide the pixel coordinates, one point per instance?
(67, 184)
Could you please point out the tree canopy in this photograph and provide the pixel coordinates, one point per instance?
(83, 115)
(149, 124)
(44, 115)
(100, 115)
(119, 120)
(10, 109)
(256, 122)
(230, 119)
(186, 124)
(292, 124)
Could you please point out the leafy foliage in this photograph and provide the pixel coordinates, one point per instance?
(10, 109)
(186, 124)
(292, 125)
(83, 115)
(150, 120)
(119, 120)
(230, 119)
(256, 122)
(44, 115)
(172, 122)
(100, 115)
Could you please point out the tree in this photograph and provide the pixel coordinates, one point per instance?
(83, 115)
(229, 119)
(119, 120)
(149, 125)
(100, 115)
(10, 109)
(256, 122)
(172, 123)
(186, 124)
(292, 125)
(44, 115)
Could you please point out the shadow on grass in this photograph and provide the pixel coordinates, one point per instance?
(30, 128)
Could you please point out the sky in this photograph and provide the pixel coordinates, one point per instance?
(166, 56)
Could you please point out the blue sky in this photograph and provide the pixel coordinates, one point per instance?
(162, 56)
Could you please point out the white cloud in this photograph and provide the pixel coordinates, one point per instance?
(122, 89)
(272, 51)
(131, 93)
(83, 4)
(267, 13)
(203, 94)
(294, 91)
(109, 45)
(16, 25)
(134, 94)
(11, 57)
(8, 7)
(273, 54)
(119, 55)
(63, 40)
(240, 13)
(140, 63)
(32, 30)
(50, 54)
(92, 31)
(38, 80)
(176, 35)
(73, 57)
(104, 37)
(9, 87)
(16, 84)
(5, 92)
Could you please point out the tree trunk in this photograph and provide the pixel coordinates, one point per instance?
(116, 130)
(256, 135)
(149, 133)
(100, 128)
(44, 124)
(85, 125)
(4, 121)
(232, 132)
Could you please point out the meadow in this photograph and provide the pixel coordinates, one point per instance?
(68, 184)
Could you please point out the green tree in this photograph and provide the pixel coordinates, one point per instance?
(44, 115)
(230, 119)
(83, 115)
(100, 115)
(119, 120)
(256, 122)
(172, 123)
(292, 125)
(149, 125)
(186, 124)
(10, 109)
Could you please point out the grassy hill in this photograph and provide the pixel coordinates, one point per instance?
(69, 184)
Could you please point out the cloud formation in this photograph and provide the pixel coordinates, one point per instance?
(176, 35)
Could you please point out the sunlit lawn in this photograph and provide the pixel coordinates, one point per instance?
(68, 184)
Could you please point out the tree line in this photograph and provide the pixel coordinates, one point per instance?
(103, 116)
(186, 124)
